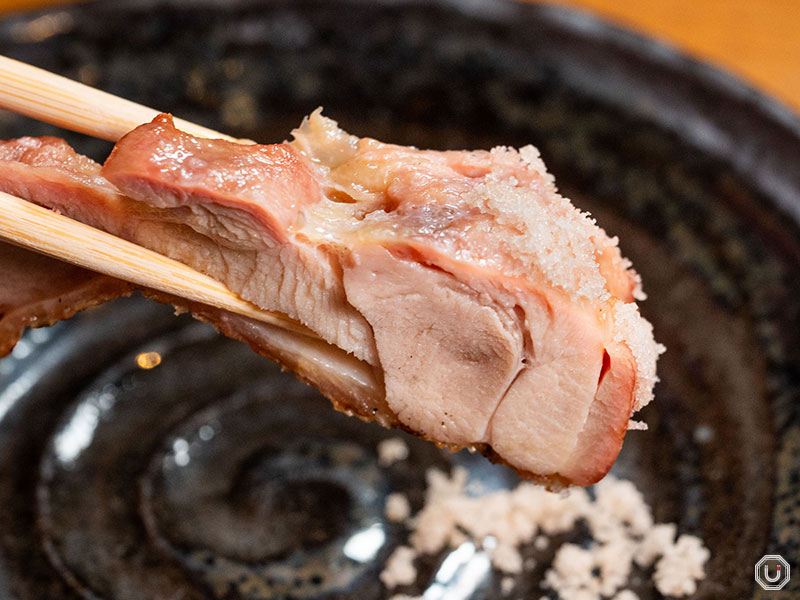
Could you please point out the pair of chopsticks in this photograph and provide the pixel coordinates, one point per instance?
(60, 101)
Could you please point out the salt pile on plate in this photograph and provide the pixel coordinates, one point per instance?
(623, 534)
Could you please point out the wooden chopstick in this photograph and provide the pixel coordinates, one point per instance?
(48, 97)
(31, 226)
(54, 99)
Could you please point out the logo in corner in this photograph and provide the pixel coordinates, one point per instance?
(772, 572)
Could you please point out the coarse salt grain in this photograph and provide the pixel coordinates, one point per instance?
(681, 565)
(507, 585)
(614, 560)
(391, 450)
(617, 516)
(654, 543)
(399, 568)
(506, 558)
(397, 507)
(571, 572)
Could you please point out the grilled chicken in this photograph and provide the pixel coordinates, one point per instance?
(488, 311)
(36, 291)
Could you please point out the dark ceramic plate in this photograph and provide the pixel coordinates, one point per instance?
(214, 476)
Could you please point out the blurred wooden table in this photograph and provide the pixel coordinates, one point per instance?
(756, 39)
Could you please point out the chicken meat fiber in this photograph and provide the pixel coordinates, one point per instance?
(489, 312)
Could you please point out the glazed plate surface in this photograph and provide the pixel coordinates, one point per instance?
(213, 475)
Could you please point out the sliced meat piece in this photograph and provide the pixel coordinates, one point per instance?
(242, 201)
(37, 291)
(602, 433)
(353, 386)
(439, 381)
(302, 281)
(491, 312)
